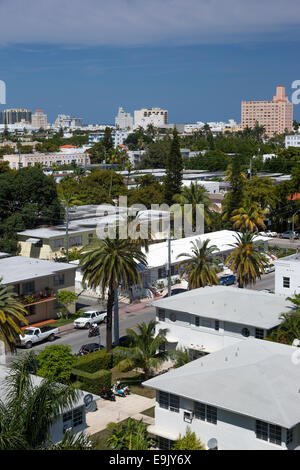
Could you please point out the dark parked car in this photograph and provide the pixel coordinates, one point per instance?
(227, 280)
(89, 348)
(176, 291)
(289, 234)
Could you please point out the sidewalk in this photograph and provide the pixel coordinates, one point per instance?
(130, 406)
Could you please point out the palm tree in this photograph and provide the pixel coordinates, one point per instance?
(249, 218)
(146, 350)
(129, 435)
(30, 409)
(107, 264)
(11, 316)
(289, 329)
(248, 260)
(202, 267)
(195, 195)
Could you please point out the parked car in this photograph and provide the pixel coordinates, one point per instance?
(289, 234)
(270, 269)
(227, 280)
(271, 234)
(34, 335)
(89, 348)
(90, 317)
(176, 291)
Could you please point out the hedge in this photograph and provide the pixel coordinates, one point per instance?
(93, 362)
(93, 382)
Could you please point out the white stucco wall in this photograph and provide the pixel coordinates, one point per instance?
(232, 431)
(186, 333)
(290, 269)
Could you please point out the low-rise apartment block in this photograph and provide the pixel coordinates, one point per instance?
(244, 397)
(37, 282)
(208, 319)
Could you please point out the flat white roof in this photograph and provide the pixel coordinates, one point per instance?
(254, 378)
(20, 268)
(158, 252)
(230, 304)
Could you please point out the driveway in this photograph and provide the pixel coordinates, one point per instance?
(115, 411)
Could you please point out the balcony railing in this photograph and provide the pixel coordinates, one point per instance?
(36, 298)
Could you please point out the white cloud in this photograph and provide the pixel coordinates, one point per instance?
(137, 22)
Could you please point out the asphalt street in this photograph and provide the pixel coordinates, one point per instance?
(75, 338)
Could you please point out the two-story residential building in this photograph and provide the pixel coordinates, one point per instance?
(37, 283)
(287, 275)
(71, 418)
(208, 319)
(244, 397)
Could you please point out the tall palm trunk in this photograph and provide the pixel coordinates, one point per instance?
(110, 306)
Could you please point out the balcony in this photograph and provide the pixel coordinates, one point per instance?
(46, 295)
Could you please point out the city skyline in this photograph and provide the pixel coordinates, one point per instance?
(185, 60)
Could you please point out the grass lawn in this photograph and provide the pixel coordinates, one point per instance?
(144, 391)
(150, 412)
(65, 321)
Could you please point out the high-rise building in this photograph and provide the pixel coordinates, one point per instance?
(123, 120)
(13, 116)
(39, 119)
(67, 121)
(155, 116)
(275, 116)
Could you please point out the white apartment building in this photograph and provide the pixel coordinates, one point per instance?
(17, 161)
(155, 116)
(39, 120)
(287, 275)
(71, 122)
(73, 417)
(208, 319)
(244, 397)
(123, 120)
(292, 141)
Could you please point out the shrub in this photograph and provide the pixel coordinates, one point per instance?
(94, 362)
(93, 382)
(56, 362)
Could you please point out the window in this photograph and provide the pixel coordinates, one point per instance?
(162, 273)
(206, 323)
(161, 314)
(169, 402)
(28, 288)
(286, 282)
(173, 316)
(174, 403)
(58, 243)
(165, 444)
(76, 241)
(163, 400)
(73, 418)
(59, 280)
(217, 325)
(289, 435)
(206, 413)
(197, 321)
(268, 432)
(259, 333)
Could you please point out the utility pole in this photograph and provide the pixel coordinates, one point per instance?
(169, 265)
(67, 231)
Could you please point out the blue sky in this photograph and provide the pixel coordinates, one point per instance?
(64, 58)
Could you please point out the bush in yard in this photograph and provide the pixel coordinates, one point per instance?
(93, 383)
(130, 435)
(56, 362)
(66, 298)
(188, 442)
(93, 362)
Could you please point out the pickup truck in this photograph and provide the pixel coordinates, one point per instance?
(90, 317)
(34, 335)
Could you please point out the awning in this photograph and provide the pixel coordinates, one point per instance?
(152, 429)
(172, 340)
(33, 240)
